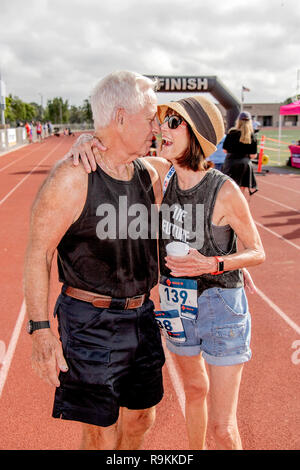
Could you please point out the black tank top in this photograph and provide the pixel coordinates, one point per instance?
(109, 249)
(190, 220)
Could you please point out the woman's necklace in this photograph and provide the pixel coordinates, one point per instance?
(113, 171)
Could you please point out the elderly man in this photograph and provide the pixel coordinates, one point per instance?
(109, 355)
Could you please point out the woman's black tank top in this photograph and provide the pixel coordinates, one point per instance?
(186, 215)
(110, 249)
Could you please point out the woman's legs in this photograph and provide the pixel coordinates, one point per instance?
(224, 391)
(196, 385)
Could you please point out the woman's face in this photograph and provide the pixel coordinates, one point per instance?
(174, 141)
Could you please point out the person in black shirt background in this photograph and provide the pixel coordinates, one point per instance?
(241, 145)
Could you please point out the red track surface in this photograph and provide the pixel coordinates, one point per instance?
(269, 405)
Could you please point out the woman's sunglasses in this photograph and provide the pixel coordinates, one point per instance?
(173, 121)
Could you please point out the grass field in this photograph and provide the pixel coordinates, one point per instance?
(288, 137)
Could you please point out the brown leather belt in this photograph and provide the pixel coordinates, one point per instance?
(104, 301)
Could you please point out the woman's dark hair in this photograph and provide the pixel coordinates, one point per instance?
(193, 157)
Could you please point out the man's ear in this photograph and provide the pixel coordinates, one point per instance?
(120, 117)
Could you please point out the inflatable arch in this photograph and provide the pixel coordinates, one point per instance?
(209, 84)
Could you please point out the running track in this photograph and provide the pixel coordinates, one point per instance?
(269, 405)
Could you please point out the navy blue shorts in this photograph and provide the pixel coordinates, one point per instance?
(115, 358)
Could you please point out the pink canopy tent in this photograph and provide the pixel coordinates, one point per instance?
(292, 108)
(287, 109)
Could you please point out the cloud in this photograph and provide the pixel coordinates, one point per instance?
(59, 48)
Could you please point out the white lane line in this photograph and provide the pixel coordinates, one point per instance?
(13, 150)
(287, 319)
(18, 159)
(278, 203)
(176, 380)
(2, 351)
(285, 188)
(277, 235)
(27, 176)
(11, 347)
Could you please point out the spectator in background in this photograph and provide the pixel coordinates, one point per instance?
(29, 132)
(218, 156)
(241, 145)
(256, 124)
(39, 131)
(45, 128)
(49, 128)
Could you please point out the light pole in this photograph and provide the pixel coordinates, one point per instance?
(41, 105)
(2, 100)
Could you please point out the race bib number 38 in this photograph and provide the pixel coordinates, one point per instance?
(169, 321)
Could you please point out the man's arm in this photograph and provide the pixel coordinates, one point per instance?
(58, 204)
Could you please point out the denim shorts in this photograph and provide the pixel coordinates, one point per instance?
(221, 329)
(115, 359)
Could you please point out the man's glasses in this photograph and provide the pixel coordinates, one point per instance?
(173, 121)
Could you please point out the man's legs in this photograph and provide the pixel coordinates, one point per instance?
(224, 391)
(98, 437)
(196, 385)
(133, 426)
(126, 434)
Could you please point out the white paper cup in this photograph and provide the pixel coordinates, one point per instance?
(177, 249)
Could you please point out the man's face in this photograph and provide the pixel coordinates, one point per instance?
(139, 129)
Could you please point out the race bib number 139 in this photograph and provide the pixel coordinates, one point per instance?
(177, 292)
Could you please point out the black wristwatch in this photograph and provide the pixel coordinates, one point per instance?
(37, 325)
(220, 268)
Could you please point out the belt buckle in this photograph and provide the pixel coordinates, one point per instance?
(136, 301)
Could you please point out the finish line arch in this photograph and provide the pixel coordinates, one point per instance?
(203, 84)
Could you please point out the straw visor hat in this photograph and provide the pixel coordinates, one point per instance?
(204, 118)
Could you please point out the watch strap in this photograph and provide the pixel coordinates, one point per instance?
(37, 325)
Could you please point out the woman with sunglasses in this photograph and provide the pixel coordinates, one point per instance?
(204, 311)
(217, 326)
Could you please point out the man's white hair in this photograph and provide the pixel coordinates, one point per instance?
(122, 89)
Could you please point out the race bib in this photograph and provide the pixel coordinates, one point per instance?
(178, 299)
(170, 322)
(178, 292)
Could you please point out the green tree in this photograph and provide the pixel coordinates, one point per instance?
(57, 111)
(291, 99)
(87, 111)
(18, 110)
(75, 115)
(38, 111)
(9, 111)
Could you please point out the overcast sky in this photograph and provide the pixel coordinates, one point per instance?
(62, 48)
